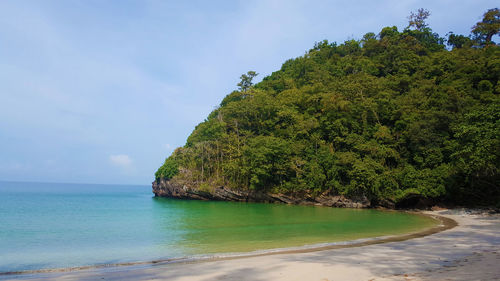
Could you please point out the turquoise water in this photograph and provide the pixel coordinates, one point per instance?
(46, 225)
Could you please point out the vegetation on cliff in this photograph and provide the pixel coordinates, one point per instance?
(393, 115)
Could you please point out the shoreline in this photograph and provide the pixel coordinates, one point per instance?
(443, 224)
(469, 251)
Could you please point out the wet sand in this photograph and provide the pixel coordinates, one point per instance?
(469, 251)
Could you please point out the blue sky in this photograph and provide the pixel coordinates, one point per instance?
(103, 91)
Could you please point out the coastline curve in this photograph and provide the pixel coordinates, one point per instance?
(445, 223)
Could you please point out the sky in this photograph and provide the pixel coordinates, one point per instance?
(102, 91)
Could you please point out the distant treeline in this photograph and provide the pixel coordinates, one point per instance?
(393, 115)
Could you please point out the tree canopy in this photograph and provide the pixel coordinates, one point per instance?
(393, 115)
(484, 30)
(246, 80)
(417, 20)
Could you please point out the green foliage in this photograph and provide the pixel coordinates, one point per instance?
(267, 161)
(390, 116)
(168, 170)
(458, 41)
(417, 20)
(246, 80)
(484, 30)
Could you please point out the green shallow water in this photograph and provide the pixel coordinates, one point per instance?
(216, 227)
(66, 225)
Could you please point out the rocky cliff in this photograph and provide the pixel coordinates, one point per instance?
(176, 189)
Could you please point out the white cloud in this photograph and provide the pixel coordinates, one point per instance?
(121, 160)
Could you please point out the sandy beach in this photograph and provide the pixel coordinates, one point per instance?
(469, 251)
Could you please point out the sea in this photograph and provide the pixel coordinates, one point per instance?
(63, 225)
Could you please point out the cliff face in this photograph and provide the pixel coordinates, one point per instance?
(173, 189)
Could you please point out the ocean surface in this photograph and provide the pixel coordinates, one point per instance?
(47, 225)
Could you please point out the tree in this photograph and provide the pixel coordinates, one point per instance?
(169, 169)
(391, 117)
(246, 80)
(417, 20)
(484, 30)
(458, 41)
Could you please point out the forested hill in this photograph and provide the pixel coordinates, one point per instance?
(394, 115)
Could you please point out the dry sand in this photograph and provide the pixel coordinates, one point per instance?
(470, 251)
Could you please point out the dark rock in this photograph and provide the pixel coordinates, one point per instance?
(177, 189)
(415, 201)
(384, 203)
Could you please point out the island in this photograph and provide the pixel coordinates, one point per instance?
(397, 119)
